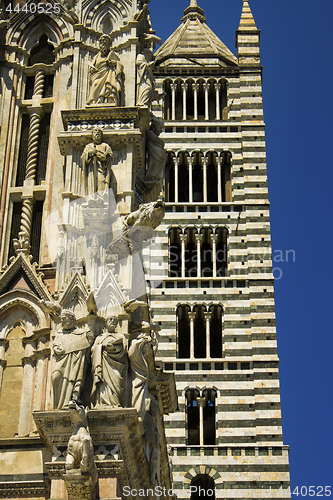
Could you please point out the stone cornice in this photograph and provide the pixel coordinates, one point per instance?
(31, 70)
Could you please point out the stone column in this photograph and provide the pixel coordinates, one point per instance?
(201, 403)
(204, 164)
(3, 343)
(192, 316)
(182, 238)
(173, 87)
(206, 89)
(176, 164)
(39, 83)
(217, 87)
(190, 179)
(195, 87)
(208, 318)
(198, 238)
(184, 89)
(219, 180)
(213, 238)
(35, 118)
(42, 354)
(27, 387)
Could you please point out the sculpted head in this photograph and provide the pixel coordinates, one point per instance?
(97, 135)
(111, 323)
(105, 44)
(149, 56)
(68, 319)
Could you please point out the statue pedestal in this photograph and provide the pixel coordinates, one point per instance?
(118, 451)
(79, 486)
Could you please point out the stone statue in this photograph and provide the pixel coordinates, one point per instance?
(151, 441)
(138, 354)
(156, 152)
(71, 349)
(80, 450)
(97, 159)
(109, 366)
(105, 75)
(145, 79)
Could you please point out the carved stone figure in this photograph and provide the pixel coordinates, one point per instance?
(146, 81)
(138, 354)
(109, 365)
(80, 450)
(156, 152)
(105, 75)
(97, 159)
(151, 440)
(148, 214)
(70, 352)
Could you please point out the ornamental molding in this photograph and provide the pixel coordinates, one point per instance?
(23, 262)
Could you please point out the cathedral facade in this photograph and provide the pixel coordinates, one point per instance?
(138, 353)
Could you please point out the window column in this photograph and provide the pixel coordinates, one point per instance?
(204, 165)
(201, 403)
(191, 316)
(198, 238)
(219, 180)
(206, 89)
(182, 238)
(190, 179)
(173, 87)
(213, 238)
(184, 89)
(208, 318)
(195, 87)
(217, 90)
(176, 164)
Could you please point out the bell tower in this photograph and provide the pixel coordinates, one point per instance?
(215, 305)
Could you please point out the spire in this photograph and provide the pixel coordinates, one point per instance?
(193, 8)
(246, 21)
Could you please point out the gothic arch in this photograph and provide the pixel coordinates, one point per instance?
(203, 469)
(26, 34)
(25, 300)
(93, 17)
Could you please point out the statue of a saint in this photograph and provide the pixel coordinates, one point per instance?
(71, 353)
(105, 75)
(156, 152)
(146, 81)
(109, 366)
(97, 159)
(138, 354)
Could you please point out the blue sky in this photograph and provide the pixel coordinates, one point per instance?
(296, 51)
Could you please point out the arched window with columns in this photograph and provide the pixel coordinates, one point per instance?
(198, 177)
(199, 331)
(201, 417)
(194, 254)
(196, 99)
